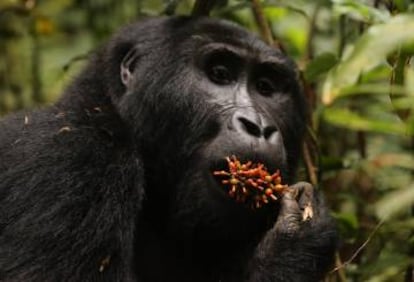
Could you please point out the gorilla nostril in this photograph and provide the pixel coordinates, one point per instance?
(250, 127)
(268, 131)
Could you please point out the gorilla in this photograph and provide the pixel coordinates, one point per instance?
(114, 181)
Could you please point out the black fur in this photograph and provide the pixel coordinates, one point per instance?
(113, 182)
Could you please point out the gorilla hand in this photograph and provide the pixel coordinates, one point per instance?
(302, 242)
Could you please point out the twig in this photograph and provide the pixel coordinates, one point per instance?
(312, 28)
(341, 272)
(261, 21)
(310, 167)
(362, 144)
(37, 93)
(360, 248)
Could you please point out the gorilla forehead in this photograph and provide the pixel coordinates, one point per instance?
(182, 33)
(208, 30)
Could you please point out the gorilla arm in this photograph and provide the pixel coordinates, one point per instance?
(68, 205)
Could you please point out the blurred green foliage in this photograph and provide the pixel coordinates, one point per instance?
(358, 70)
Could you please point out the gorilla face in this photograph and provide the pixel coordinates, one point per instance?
(202, 93)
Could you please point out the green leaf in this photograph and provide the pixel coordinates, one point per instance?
(346, 118)
(370, 51)
(402, 5)
(409, 82)
(320, 65)
(395, 202)
(403, 103)
(7, 3)
(348, 219)
(359, 11)
(371, 89)
(389, 266)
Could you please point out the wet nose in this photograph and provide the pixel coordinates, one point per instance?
(252, 125)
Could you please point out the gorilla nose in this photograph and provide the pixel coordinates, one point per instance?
(254, 126)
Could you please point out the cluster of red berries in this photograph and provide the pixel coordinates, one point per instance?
(251, 183)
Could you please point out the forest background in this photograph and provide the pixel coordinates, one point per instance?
(357, 66)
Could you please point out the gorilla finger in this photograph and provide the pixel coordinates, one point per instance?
(290, 215)
(306, 197)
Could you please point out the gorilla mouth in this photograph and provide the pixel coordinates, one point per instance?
(271, 164)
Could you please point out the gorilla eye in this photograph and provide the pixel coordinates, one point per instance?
(221, 66)
(265, 87)
(220, 74)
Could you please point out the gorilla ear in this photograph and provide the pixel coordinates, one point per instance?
(128, 65)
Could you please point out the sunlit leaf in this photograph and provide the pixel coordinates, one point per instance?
(395, 202)
(370, 50)
(346, 118)
(403, 103)
(381, 72)
(371, 89)
(400, 160)
(357, 10)
(274, 13)
(285, 6)
(52, 7)
(409, 82)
